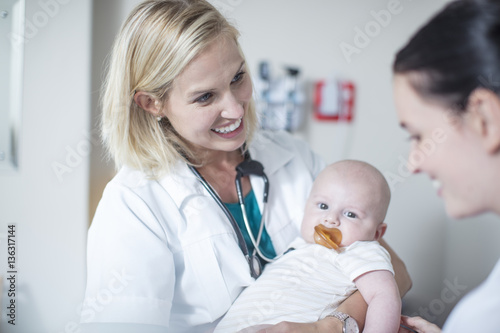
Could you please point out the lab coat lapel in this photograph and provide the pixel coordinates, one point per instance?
(181, 183)
(265, 150)
(273, 157)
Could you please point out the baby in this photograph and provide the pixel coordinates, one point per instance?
(353, 197)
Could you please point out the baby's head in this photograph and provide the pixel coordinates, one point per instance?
(351, 196)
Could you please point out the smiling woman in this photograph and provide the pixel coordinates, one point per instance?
(446, 82)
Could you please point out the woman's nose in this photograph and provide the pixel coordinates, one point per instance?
(416, 159)
(232, 108)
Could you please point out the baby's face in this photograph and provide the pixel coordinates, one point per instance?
(349, 204)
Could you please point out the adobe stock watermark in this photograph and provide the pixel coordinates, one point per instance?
(449, 295)
(74, 155)
(87, 310)
(364, 35)
(406, 166)
(39, 20)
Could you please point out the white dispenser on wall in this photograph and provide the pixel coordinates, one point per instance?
(280, 100)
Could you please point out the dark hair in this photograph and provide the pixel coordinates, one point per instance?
(457, 51)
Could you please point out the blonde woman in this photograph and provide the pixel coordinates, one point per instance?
(177, 119)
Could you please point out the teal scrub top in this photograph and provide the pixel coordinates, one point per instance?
(254, 219)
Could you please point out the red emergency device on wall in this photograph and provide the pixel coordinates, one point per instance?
(334, 100)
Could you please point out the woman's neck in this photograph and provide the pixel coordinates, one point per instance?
(219, 170)
(494, 182)
(221, 159)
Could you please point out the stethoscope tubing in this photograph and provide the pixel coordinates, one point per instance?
(241, 201)
(251, 259)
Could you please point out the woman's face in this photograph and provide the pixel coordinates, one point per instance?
(445, 148)
(209, 99)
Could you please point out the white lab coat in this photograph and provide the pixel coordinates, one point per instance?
(162, 252)
(477, 311)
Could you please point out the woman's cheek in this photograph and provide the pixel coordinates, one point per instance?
(245, 92)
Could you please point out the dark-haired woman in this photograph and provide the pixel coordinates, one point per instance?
(444, 87)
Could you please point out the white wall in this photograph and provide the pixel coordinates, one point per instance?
(51, 212)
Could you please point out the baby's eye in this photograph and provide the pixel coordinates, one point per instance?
(350, 215)
(323, 206)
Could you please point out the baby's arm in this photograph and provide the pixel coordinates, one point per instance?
(380, 291)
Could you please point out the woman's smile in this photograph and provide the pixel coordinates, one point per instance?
(228, 128)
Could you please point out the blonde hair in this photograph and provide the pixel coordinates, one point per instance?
(156, 42)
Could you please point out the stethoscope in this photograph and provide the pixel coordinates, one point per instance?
(246, 168)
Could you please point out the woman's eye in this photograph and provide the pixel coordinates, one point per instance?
(238, 77)
(204, 98)
(350, 215)
(414, 138)
(323, 206)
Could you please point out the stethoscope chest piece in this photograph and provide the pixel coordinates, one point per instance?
(255, 265)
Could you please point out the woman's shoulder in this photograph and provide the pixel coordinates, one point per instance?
(130, 182)
(478, 310)
(277, 148)
(129, 187)
(282, 139)
(129, 177)
(133, 196)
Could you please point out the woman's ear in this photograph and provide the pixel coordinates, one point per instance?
(484, 116)
(381, 228)
(148, 103)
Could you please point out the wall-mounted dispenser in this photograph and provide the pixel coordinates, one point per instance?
(280, 100)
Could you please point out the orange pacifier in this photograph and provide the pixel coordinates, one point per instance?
(328, 237)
